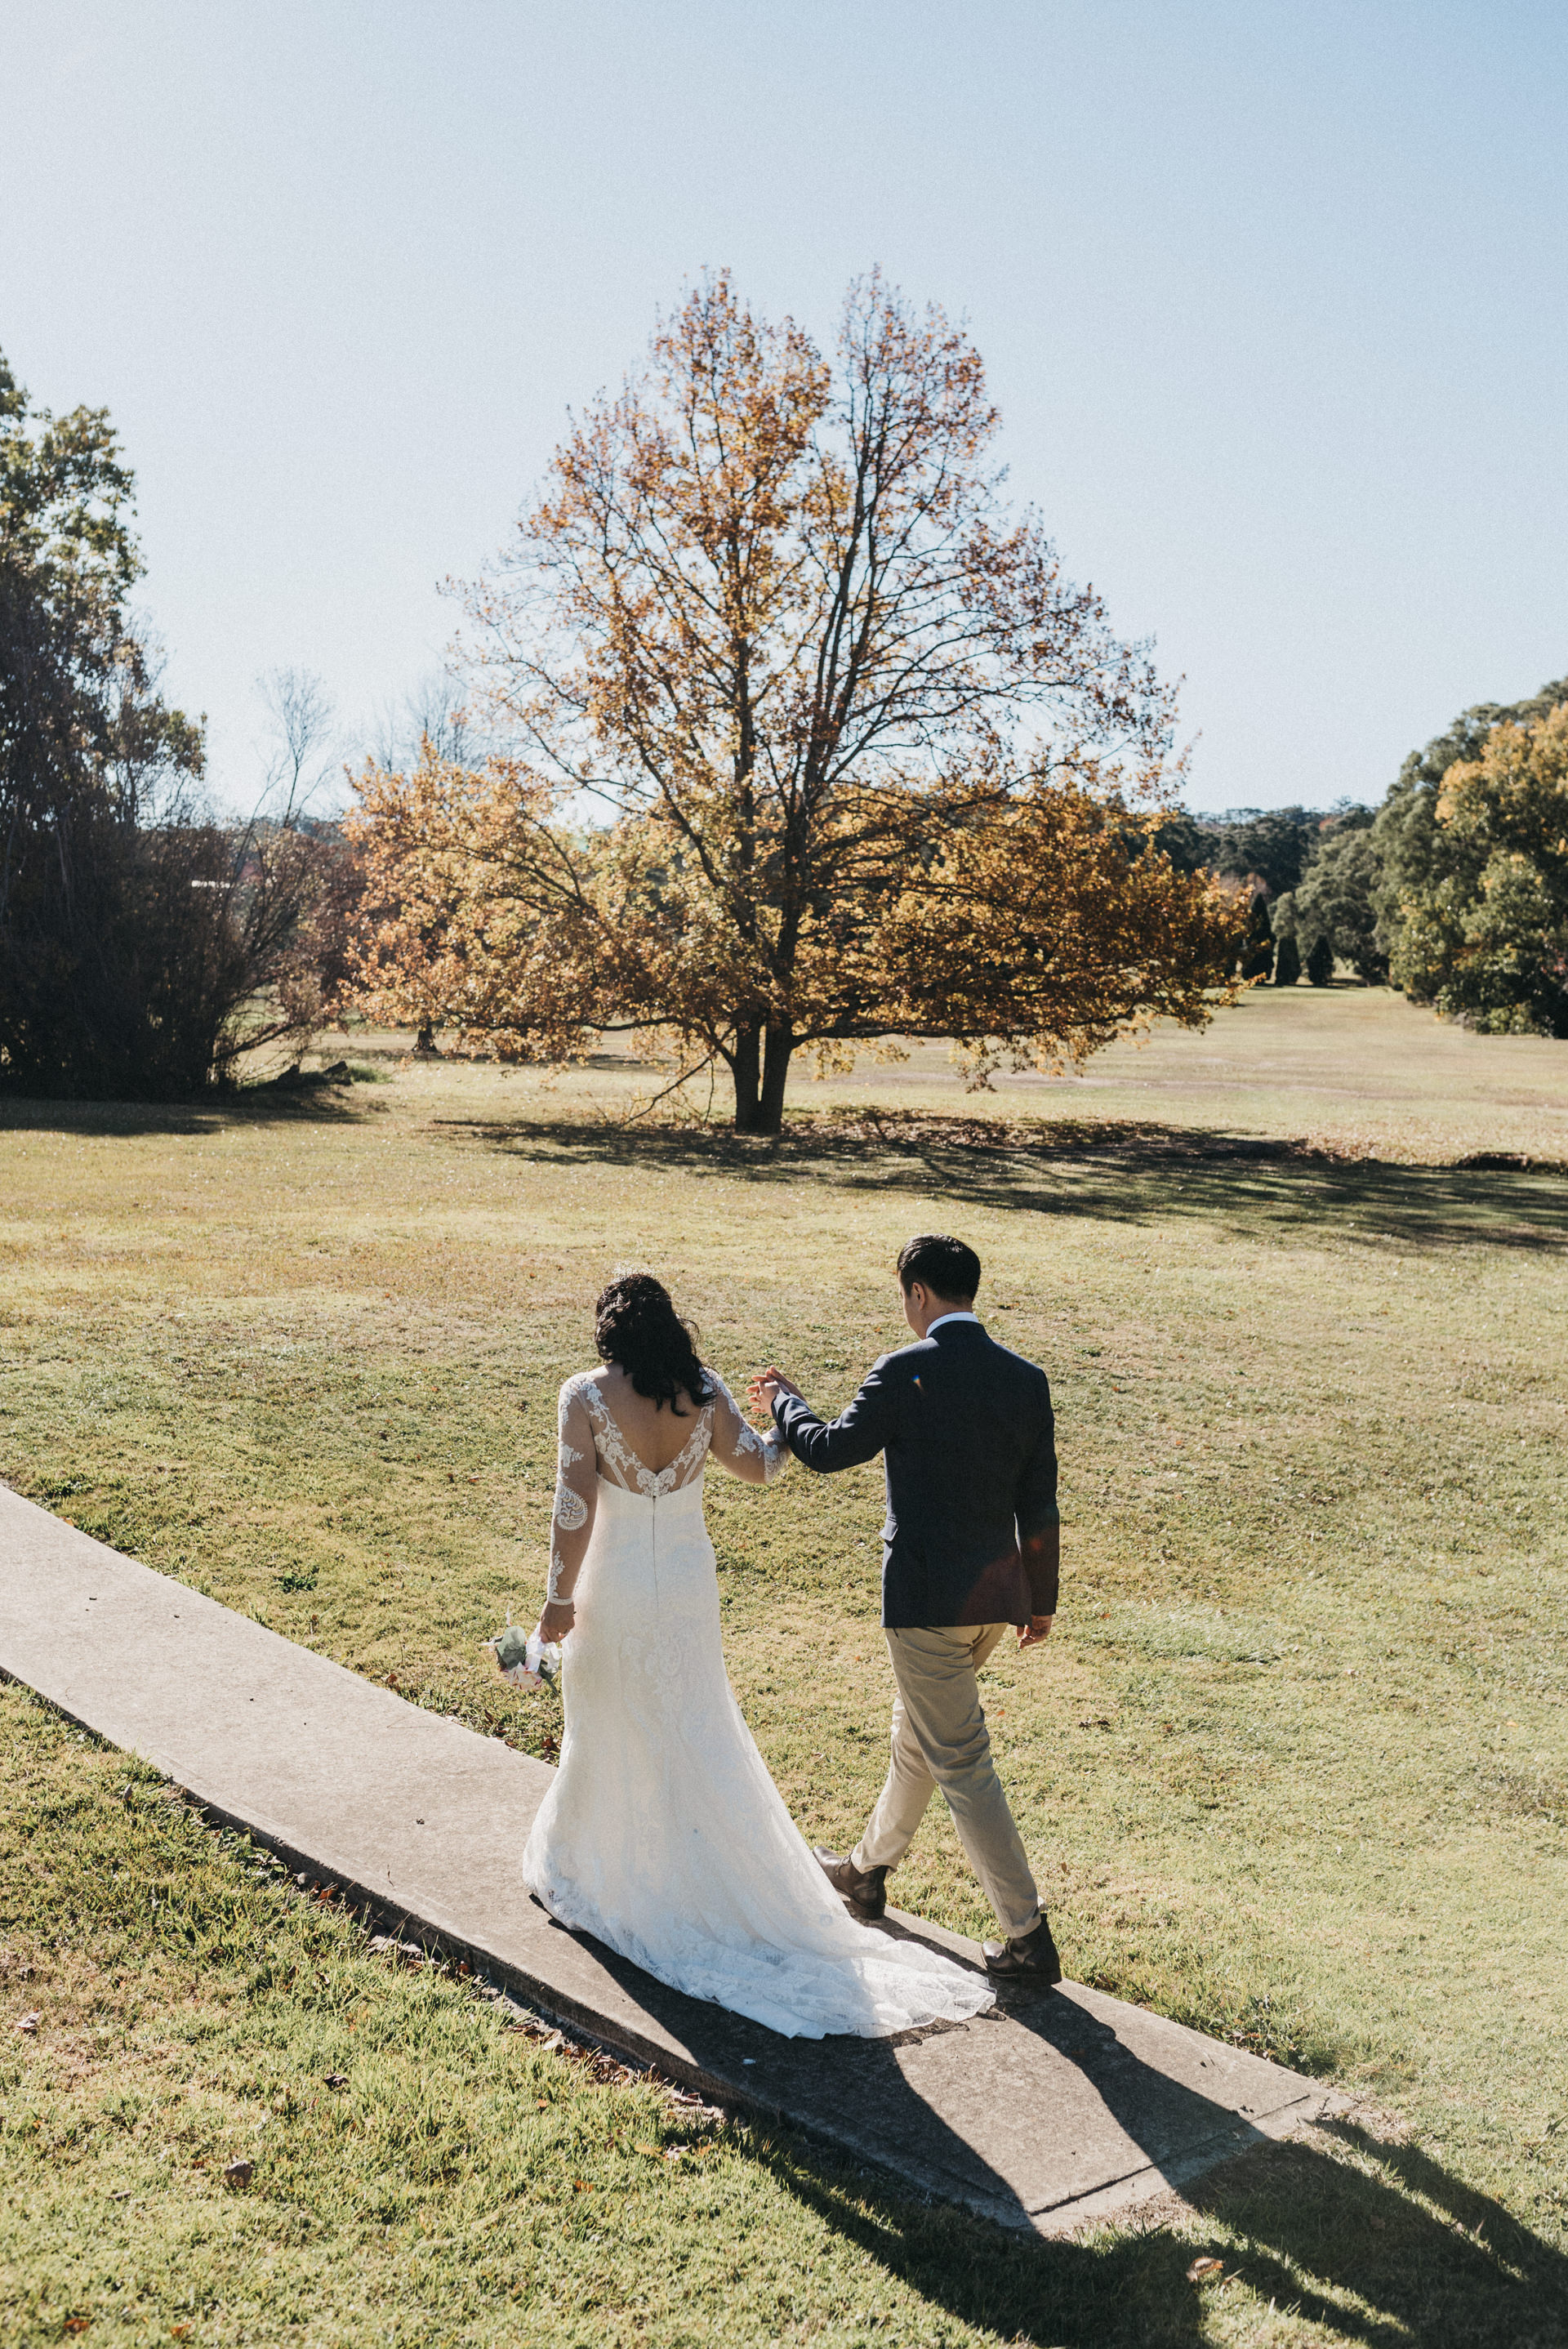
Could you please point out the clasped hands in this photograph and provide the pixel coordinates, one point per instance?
(764, 1386)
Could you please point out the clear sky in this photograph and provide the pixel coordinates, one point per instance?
(1273, 295)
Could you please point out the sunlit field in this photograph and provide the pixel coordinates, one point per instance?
(1352, 1067)
(1293, 1768)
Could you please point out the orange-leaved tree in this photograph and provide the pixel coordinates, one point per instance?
(812, 743)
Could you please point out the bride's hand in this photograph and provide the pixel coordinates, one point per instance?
(557, 1619)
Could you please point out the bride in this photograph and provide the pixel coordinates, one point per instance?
(662, 1833)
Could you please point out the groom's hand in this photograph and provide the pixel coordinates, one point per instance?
(1037, 1628)
(766, 1385)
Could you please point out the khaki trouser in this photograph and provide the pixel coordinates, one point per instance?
(940, 1739)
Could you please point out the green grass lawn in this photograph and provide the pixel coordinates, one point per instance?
(1293, 1768)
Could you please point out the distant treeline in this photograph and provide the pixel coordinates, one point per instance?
(1455, 889)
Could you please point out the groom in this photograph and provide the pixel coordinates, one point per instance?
(970, 1545)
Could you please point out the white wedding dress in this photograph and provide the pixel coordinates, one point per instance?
(662, 1833)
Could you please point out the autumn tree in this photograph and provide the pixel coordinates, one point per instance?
(1485, 936)
(813, 744)
(1417, 851)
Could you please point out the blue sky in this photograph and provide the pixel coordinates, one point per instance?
(1272, 299)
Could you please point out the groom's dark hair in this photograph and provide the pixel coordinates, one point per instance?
(948, 1267)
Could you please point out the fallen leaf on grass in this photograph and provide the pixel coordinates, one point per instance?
(403, 1953)
(581, 2186)
(337, 2079)
(239, 2173)
(1204, 2271)
(28, 2021)
(76, 2324)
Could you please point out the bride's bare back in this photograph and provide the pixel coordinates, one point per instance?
(608, 1428)
(655, 1434)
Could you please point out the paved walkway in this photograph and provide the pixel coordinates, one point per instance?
(1060, 2110)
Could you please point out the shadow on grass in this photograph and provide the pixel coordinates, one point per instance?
(1376, 2243)
(1372, 2240)
(1129, 1173)
(312, 1102)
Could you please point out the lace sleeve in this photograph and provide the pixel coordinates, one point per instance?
(572, 1518)
(738, 1446)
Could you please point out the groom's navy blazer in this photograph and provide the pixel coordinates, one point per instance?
(970, 1443)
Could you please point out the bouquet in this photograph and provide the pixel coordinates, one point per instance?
(525, 1660)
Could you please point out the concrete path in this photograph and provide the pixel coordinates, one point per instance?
(1059, 2110)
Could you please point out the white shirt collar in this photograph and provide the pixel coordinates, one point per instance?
(944, 1319)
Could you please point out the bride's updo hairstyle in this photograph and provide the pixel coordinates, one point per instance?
(637, 1327)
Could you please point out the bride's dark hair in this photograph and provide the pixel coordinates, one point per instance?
(636, 1325)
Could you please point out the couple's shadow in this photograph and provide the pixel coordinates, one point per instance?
(1361, 2235)
(1369, 2242)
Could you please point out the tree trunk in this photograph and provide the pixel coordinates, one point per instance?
(745, 1067)
(775, 1076)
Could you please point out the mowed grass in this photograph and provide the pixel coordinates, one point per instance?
(1293, 1768)
(1357, 1068)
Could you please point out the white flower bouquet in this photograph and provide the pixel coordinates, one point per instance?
(525, 1659)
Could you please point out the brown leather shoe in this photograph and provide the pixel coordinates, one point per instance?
(865, 1889)
(1031, 1958)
